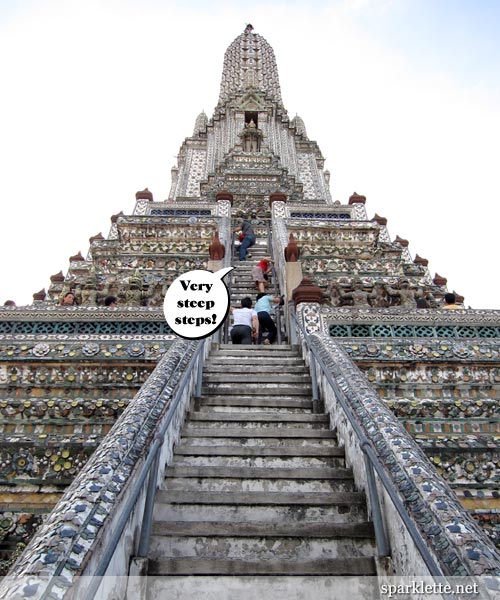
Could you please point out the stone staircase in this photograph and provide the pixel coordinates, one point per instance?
(258, 485)
(242, 284)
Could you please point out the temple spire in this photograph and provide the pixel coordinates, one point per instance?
(249, 63)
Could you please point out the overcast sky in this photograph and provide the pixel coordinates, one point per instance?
(402, 96)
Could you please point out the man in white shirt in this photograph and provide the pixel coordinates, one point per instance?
(245, 323)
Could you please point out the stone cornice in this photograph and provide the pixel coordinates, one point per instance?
(50, 312)
(434, 316)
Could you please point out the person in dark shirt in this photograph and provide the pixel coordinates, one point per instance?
(248, 238)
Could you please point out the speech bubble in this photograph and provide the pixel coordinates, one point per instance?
(196, 303)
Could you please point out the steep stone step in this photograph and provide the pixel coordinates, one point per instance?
(255, 409)
(254, 426)
(270, 432)
(283, 401)
(264, 377)
(200, 484)
(290, 402)
(261, 513)
(275, 550)
(243, 470)
(257, 389)
(267, 357)
(235, 447)
(267, 462)
(249, 290)
(262, 587)
(297, 368)
(193, 566)
(337, 567)
(243, 278)
(262, 498)
(258, 417)
(285, 530)
(285, 349)
(278, 446)
(244, 353)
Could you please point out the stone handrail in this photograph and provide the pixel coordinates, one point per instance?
(457, 543)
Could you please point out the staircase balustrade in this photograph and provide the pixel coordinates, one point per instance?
(418, 511)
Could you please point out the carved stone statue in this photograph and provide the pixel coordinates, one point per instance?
(89, 295)
(157, 296)
(405, 293)
(134, 294)
(379, 296)
(358, 295)
(251, 137)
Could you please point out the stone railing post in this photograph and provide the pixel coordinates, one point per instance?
(224, 201)
(277, 202)
(142, 200)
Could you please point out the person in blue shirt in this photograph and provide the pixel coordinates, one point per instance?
(263, 308)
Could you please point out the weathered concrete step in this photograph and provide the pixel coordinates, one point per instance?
(282, 349)
(271, 432)
(272, 363)
(258, 498)
(262, 587)
(242, 273)
(253, 257)
(264, 378)
(271, 353)
(265, 549)
(284, 485)
(243, 268)
(256, 445)
(244, 291)
(256, 472)
(244, 285)
(243, 281)
(256, 417)
(193, 566)
(268, 462)
(254, 425)
(260, 410)
(271, 450)
(227, 367)
(243, 278)
(261, 513)
(249, 402)
(249, 290)
(274, 530)
(262, 356)
(275, 389)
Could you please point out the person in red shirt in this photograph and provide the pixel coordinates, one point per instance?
(260, 273)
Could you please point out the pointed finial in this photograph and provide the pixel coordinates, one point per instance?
(249, 28)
